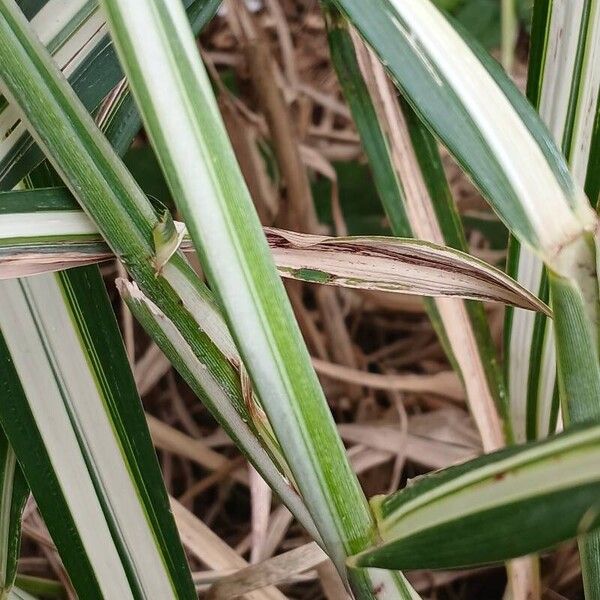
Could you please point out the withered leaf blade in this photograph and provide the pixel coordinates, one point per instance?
(395, 265)
(386, 264)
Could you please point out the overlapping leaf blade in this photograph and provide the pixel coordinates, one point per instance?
(499, 140)
(411, 181)
(563, 84)
(412, 185)
(471, 105)
(76, 35)
(91, 465)
(43, 230)
(177, 104)
(123, 213)
(493, 508)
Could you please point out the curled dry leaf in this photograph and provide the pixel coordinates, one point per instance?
(386, 264)
(395, 265)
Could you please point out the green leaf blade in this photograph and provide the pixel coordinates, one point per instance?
(470, 104)
(14, 492)
(232, 248)
(112, 493)
(497, 507)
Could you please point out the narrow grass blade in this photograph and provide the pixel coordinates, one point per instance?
(564, 83)
(242, 417)
(226, 232)
(91, 466)
(412, 185)
(510, 29)
(409, 173)
(496, 507)
(493, 132)
(472, 106)
(57, 235)
(111, 197)
(579, 394)
(394, 264)
(183, 121)
(75, 33)
(111, 190)
(13, 494)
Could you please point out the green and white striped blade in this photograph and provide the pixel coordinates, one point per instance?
(410, 177)
(88, 164)
(108, 190)
(391, 585)
(13, 495)
(411, 182)
(471, 105)
(578, 380)
(564, 84)
(76, 35)
(246, 426)
(500, 506)
(496, 136)
(43, 230)
(182, 119)
(74, 419)
(393, 264)
(177, 102)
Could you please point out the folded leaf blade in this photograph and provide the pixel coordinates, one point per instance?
(38, 241)
(494, 508)
(394, 264)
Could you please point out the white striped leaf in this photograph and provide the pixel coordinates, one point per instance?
(82, 556)
(564, 84)
(212, 342)
(410, 178)
(110, 195)
(181, 116)
(75, 33)
(73, 416)
(391, 585)
(408, 172)
(393, 264)
(246, 427)
(51, 234)
(481, 117)
(496, 136)
(500, 506)
(13, 494)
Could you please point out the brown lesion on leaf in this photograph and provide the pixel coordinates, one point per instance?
(379, 589)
